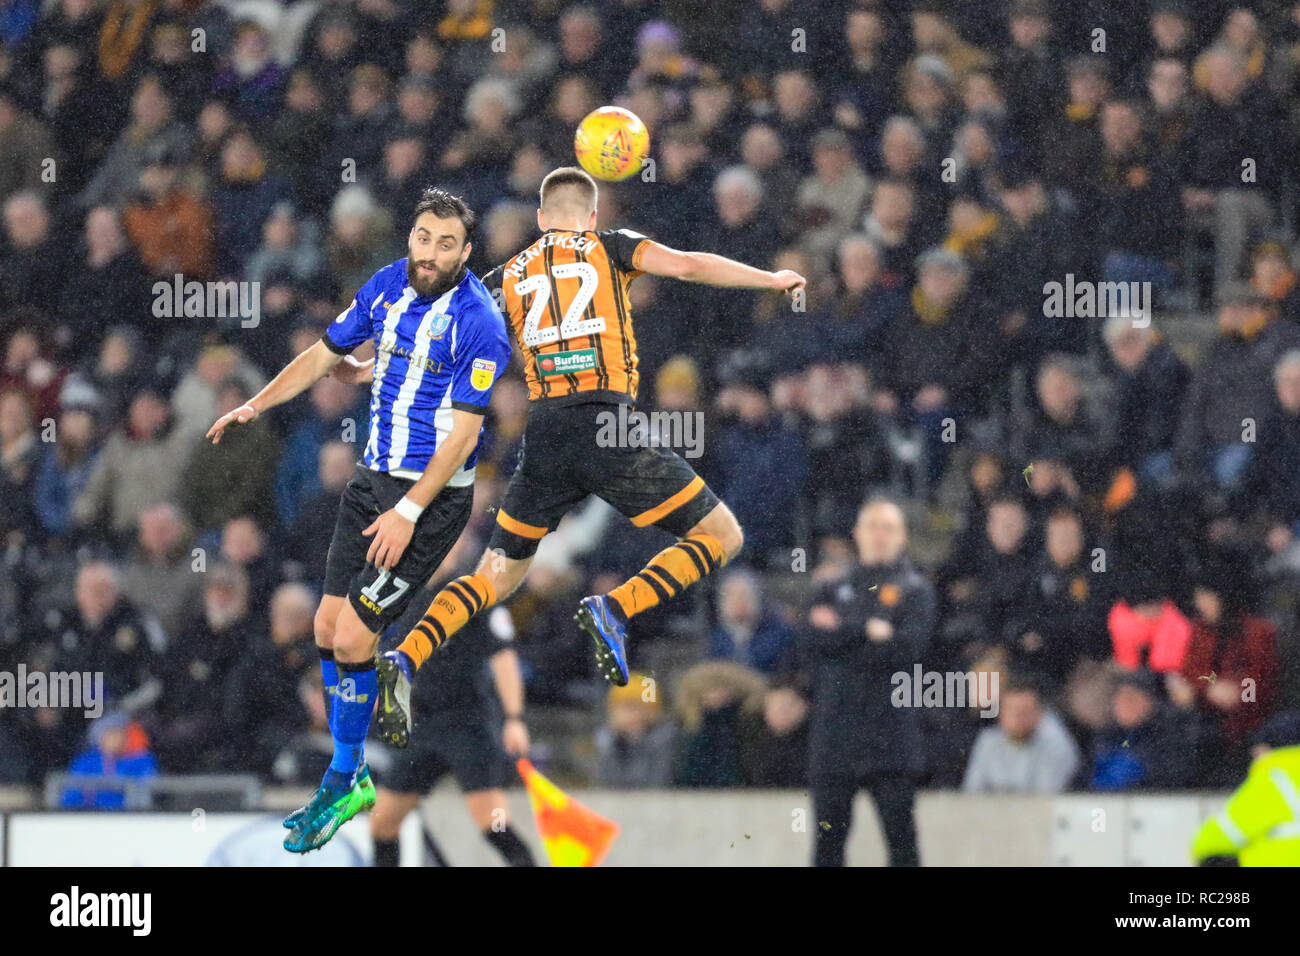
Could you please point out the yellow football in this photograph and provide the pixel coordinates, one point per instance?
(611, 142)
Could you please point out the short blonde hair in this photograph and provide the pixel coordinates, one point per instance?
(570, 177)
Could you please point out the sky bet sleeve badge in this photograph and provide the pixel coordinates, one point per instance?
(481, 372)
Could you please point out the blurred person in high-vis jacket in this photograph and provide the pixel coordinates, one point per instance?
(1260, 825)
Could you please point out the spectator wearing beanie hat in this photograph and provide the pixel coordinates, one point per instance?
(67, 463)
(1148, 745)
(635, 748)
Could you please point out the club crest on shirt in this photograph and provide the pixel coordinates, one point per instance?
(481, 372)
(439, 326)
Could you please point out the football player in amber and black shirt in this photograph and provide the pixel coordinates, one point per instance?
(565, 299)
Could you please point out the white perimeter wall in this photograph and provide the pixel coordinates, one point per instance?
(664, 828)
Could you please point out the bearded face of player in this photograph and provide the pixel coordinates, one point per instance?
(436, 251)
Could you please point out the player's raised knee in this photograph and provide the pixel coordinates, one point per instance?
(722, 525)
(732, 538)
(502, 573)
(353, 641)
(323, 623)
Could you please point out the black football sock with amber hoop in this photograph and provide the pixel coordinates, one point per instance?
(669, 573)
(451, 610)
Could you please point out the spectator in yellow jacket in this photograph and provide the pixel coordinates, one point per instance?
(1260, 825)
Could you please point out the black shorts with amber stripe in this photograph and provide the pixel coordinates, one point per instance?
(572, 451)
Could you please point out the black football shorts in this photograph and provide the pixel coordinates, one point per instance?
(572, 451)
(468, 751)
(378, 596)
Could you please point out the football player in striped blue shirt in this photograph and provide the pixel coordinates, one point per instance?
(440, 344)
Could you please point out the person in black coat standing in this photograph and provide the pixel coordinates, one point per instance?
(862, 629)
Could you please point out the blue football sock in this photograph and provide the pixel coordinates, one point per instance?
(329, 672)
(350, 721)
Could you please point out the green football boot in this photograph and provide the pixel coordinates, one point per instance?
(328, 810)
(363, 781)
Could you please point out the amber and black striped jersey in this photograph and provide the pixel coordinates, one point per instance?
(565, 298)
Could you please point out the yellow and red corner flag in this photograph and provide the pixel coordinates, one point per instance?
(572, 834)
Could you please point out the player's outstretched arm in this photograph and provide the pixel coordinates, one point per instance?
(296, 377)
(710, 269)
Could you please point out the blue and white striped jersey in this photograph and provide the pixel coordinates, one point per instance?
(431, 356)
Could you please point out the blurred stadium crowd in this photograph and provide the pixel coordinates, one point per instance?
(1106, 511)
